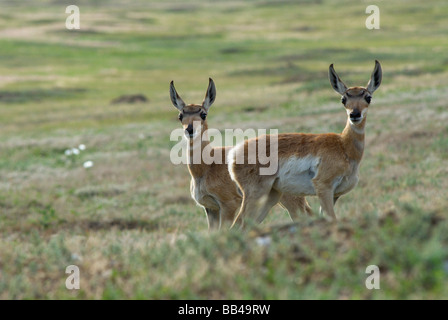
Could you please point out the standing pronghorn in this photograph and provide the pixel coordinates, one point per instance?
(211, 186)
(325, 165)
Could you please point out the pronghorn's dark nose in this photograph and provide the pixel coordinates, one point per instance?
(189, 130)
(355, 114)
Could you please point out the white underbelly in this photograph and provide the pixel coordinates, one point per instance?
(295, 176)
(344, 184)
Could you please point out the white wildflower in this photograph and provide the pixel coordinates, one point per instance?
(88, 164)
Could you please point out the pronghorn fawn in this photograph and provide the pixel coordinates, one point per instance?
(325, 165)
(211, 186)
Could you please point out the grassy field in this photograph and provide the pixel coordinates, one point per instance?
(129, 223)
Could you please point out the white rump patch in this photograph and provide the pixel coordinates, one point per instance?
(231, 158)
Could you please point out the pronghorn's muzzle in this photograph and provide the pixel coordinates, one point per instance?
(355, 116)
(189, 131)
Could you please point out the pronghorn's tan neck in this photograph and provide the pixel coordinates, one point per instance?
(196, 146)
(353, 139)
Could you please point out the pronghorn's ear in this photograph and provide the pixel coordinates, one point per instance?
(175, 98)
(375, 78)
(210, 95)
(336, 82)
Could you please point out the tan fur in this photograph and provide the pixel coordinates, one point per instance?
(325, 165)
(211, 186)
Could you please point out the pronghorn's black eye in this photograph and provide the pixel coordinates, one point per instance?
(203, 116)
(181, 116)
(368, 99)
(344, 100)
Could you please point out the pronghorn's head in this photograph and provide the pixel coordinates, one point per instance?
(192, 114)
(356, 100)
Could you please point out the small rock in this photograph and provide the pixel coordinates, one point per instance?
(263, 241)
(130, 98)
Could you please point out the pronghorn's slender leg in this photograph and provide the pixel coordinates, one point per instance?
(214, 219)
(228, 212)
(239, 221)
(255, 198)
(326, 199)
(334, 200)
(307, 208)
(248, 210)
(271, 201)
(295, 203)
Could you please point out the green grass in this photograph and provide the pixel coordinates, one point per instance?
(129, 222)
